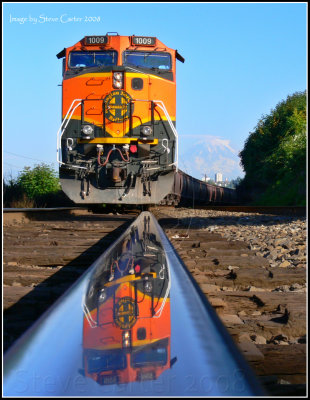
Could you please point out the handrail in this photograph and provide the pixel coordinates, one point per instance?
(162, 106)
(48, 359)
(62, 129)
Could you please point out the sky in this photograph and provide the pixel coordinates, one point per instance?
(241, 60)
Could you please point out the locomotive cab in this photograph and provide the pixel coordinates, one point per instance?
(117, 141)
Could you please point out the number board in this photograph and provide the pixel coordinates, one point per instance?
(143, 41)
(95, 40)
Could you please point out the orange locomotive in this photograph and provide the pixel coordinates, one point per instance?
(117, 141)
(126, 326)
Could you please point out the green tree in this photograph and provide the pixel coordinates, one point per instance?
(234, 182)
(274, 155)
(38, 181)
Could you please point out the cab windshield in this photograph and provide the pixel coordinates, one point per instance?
(149, 357)
(148, 60)
(86, 59)
(106, 361)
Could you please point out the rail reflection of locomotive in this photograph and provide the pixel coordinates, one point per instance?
(126, 329)
(118, 141)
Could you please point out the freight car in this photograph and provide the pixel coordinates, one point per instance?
(117, 142)
(187, 190)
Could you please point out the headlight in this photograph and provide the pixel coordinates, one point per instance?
(146, 130)
(126, 339)
(87, 130)
(102, 296)
(118, 76)
(117, 84)
(148, 286)
(118, 80)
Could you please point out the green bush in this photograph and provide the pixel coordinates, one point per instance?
(40, 180)
(35, 187)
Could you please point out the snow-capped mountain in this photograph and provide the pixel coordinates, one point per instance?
(201, 155)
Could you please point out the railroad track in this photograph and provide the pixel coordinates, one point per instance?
(252, 268)
(207, 256)
(45, 251)
(126, 320)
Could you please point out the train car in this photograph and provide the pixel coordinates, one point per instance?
(187, 190)
(117, 142)
(126, 324)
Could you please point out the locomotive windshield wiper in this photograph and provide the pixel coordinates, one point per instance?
(79, 69)
(158, 70)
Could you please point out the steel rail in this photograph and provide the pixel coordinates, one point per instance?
(142, 329)
(47, 209)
